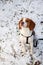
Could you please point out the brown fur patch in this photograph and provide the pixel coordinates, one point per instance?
(30, 24)
(20, 23)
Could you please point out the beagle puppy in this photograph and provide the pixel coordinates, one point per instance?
(26, 27)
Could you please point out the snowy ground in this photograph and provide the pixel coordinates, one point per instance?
(10, 13)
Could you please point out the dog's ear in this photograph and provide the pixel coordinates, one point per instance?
(19, 24)
(32, 25)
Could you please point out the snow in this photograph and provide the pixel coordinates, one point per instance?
(10, 14)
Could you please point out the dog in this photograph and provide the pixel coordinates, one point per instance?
(26, 27)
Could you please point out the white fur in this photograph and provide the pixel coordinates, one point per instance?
(25, 24)
(26, 32)
(24, 19)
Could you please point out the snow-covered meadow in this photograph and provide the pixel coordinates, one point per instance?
(10, 13)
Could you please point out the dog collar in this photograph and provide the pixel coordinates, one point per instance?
(33, 33)
(26, 36)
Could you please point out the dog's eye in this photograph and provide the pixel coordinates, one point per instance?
(26, 21)
(22, 23)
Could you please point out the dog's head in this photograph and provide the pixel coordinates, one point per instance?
(26, 23)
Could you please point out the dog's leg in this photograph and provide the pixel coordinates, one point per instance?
(23, 50)
(31, 46)
(31, 50)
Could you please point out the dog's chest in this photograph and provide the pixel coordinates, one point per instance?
(25, 32)
(24, 39)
